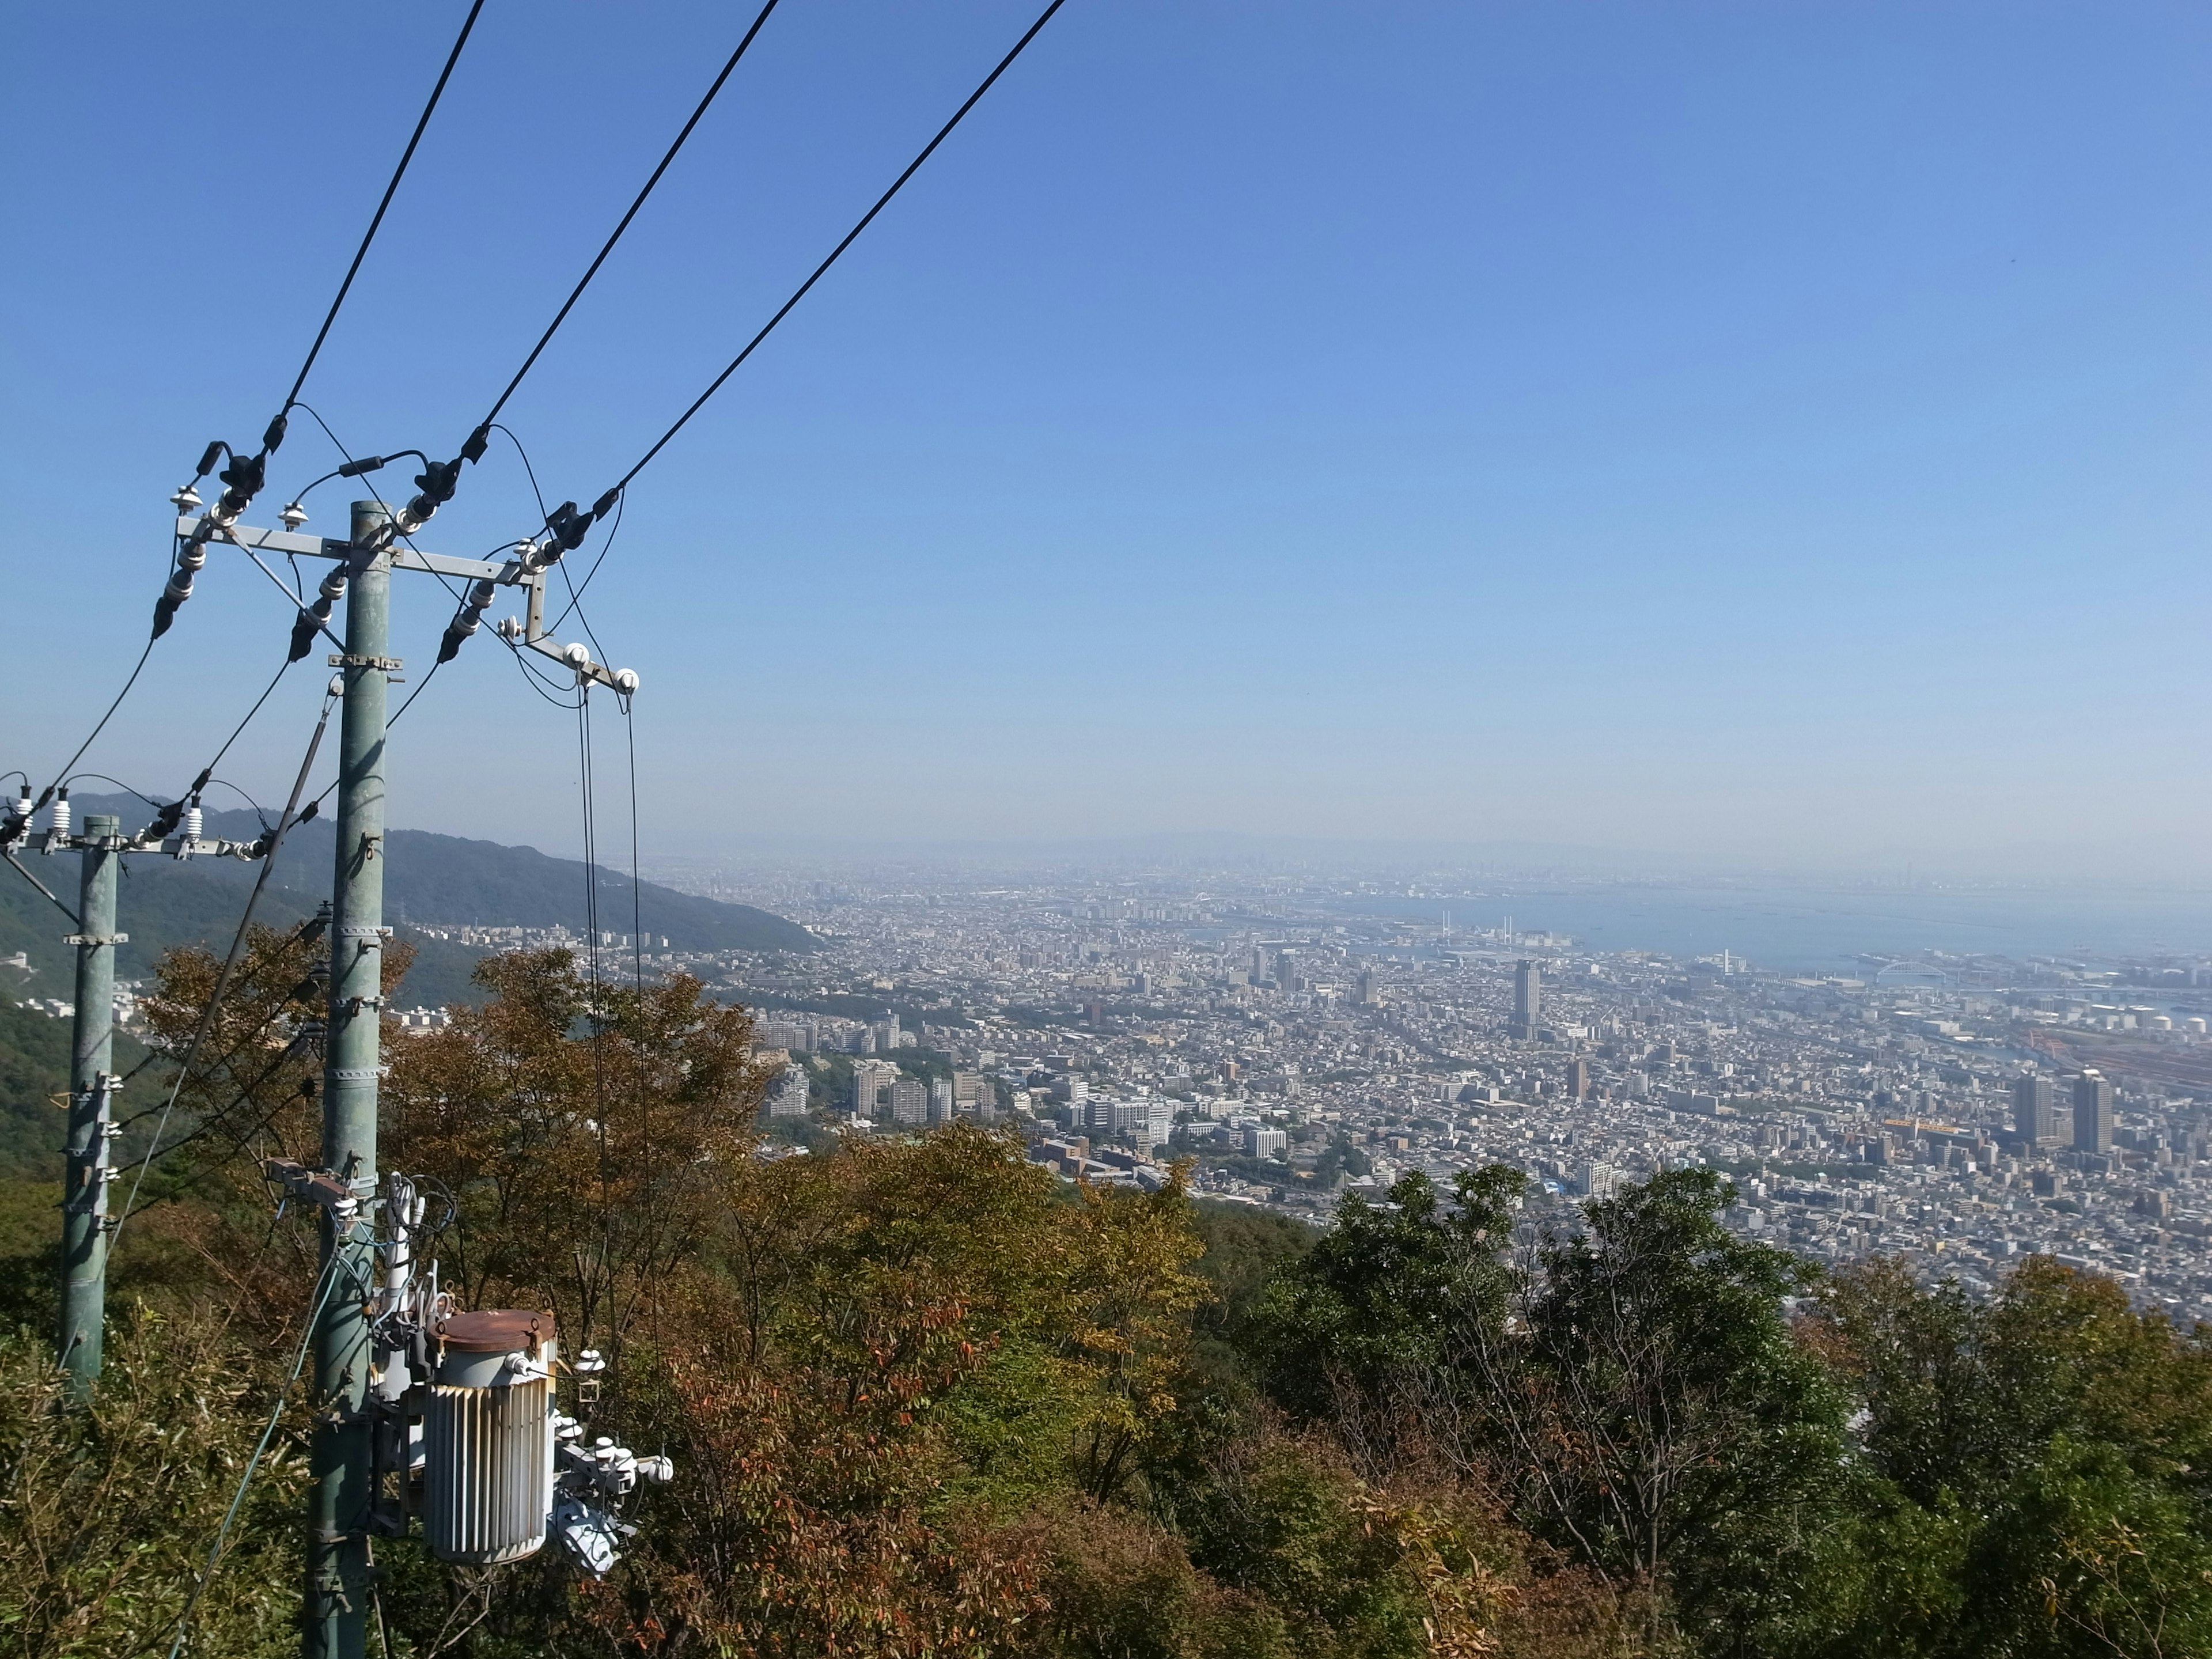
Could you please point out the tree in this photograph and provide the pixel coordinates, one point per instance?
(2053, 1445)
(1359, 1326)
(1659, 1420)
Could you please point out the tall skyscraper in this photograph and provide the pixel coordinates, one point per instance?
(2093, 1113)
(1577, 1079)
(1528, 998)
(2034, 1113)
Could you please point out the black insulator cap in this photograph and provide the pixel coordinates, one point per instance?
(568, 526)
(165, 612)
(303, 636)
(274, 437)
(604, 505)
(313, 807)
(438, 480)
(366, 464)
(474, 449)
(245, 473)
(207, 458)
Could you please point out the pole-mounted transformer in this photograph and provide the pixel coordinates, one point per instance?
(465, 1409)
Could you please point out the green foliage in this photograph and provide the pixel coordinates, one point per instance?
(924, 1400)
(2055, 1443)
(107, 1512)
(34, 1073)
(1369, 1310)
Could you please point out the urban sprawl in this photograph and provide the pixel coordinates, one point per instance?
(1959, 1112)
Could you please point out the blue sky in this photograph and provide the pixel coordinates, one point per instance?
(1770, 433)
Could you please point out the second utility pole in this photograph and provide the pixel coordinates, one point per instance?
(92, 1083)
(339, 1466)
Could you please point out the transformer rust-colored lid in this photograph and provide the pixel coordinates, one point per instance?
(494, 1330)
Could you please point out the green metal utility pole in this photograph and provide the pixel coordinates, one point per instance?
(339, 1466)
(92, 1085)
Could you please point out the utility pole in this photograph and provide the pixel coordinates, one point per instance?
(339, 1458)
(91, 1086)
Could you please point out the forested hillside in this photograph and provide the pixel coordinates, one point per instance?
(923, 1399)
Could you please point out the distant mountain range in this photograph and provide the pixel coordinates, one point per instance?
(429, 880)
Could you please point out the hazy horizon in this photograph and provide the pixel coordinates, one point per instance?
(1716, 439)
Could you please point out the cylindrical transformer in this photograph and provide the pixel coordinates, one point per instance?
(488, 1436)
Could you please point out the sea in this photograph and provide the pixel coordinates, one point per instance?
(1807, 929)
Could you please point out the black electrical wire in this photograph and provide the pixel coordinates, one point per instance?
(103, 778)
(421, 686)
(230, 963)
(139, 669)
(226, 784)
(526, 466)
(240, 729)
(576, 590)
(327, 1281)
(291, 398)
(851, 236)
(585, 281)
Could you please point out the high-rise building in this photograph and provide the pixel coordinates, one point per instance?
(910, 1102)
(1528, 998)
(794, 1034)
(1597, 1180)
(1265, 1143)
(2034, 1116)
(787, 1098)
(869, 1079)
(1367, 993)
(1577, 1079)
(2093, 1113)
(941, 1106)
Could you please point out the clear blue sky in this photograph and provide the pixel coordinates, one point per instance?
(1776, 432)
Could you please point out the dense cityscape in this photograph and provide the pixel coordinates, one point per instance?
(1959, 1112)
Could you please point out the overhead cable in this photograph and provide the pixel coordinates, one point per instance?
(851, 236)
(566, 525)
(399, 172)
(243, 478)
(441, 478)
(275, 840)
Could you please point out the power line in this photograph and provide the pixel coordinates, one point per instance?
(584, 281)
(48, 794)
(244, 477)
(439, 479)
(291, 398)
(851, 236)
(240, 729)
(569, 526)
(230, 963)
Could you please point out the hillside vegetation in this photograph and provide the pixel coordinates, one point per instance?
(923, 1399)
